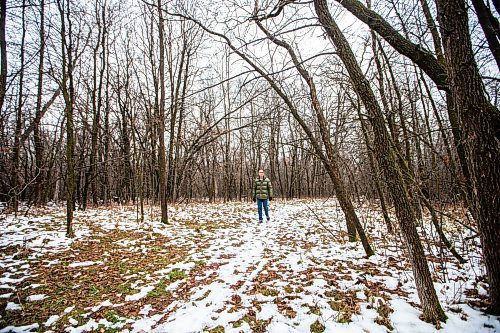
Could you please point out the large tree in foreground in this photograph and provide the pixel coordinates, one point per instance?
(479, 121)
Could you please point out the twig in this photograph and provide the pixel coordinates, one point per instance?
(19, 299)
(319, 220)
(457, 220)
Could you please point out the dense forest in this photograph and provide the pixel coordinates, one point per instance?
(394, 103)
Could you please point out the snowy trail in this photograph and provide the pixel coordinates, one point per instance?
(253, 239)
(215, 268)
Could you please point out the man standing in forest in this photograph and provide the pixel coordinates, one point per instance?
(262, 191)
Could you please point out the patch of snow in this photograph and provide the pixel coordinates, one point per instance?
(15, 281)
(52, 262)
(6, 286)
(183, 215)
(85, 263)
(90, 326)
(103, 304)
(475, 321)
(11, 306)
(38, 297)
(143, 293)
(146, 309)
(20, 329)
(73, 321)
(51, 321)
(269, 310)
(280, 327)
(69, 309)
(33, 286)
(406, 318)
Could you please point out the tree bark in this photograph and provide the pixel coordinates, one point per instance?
(479, 121)
(161, 119)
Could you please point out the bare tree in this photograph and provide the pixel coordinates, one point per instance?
(72, 45)
(16, 185)
(37, 130)
(96, 95)
(161, 118)
(480, 122)
(3, 52)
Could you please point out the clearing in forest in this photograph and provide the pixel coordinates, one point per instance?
(215, 269)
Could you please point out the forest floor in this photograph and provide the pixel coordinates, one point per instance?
(214, 268)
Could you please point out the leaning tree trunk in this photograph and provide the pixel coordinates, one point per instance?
(375, 171)
(174, 109)
(387, 159)
(480, 123)
(489, 23)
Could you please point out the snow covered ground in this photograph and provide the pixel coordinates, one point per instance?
(215, 269)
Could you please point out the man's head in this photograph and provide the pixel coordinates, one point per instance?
(261, 173)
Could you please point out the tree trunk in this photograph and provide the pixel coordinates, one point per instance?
(3, 52)
(375, 171)
(161, 120)
(68, 94)
(481, 132)
(174, 109)
(96, 112)
(37, 130)
(16, 151)
(178, 178)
